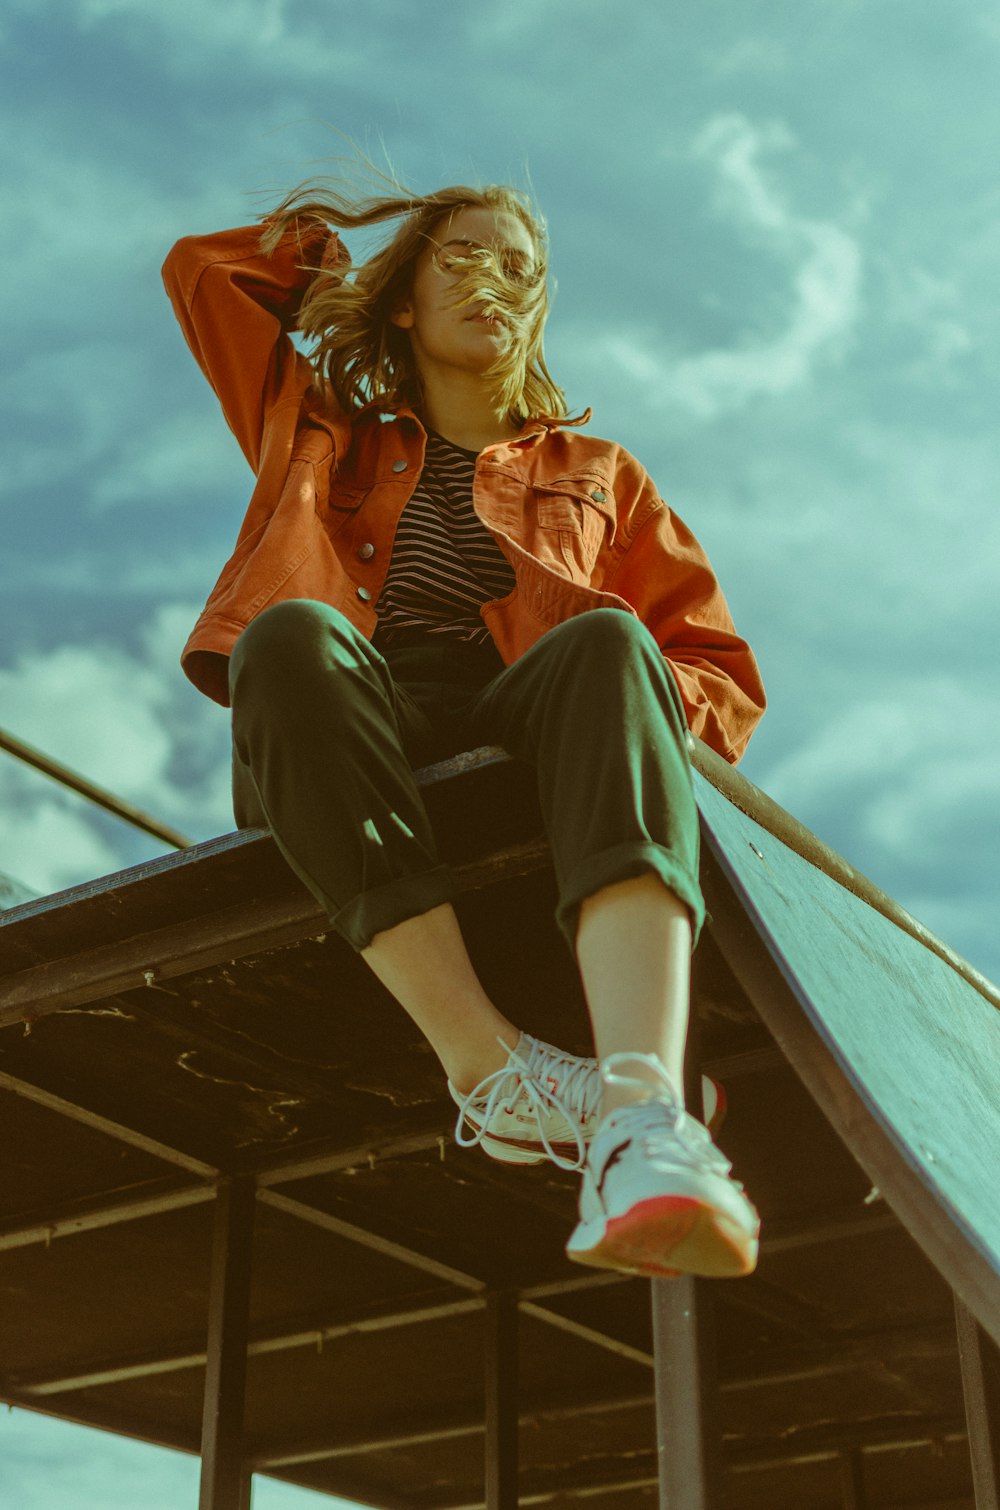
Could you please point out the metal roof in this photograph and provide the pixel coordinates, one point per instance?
(185, 1051)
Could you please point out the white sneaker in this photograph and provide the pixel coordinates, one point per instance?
(656, 1196)
(541, 1104)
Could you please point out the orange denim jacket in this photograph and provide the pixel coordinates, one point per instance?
(577, 517)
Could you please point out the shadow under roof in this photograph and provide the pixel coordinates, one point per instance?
(190, 1026)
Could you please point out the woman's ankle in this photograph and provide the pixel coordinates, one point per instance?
(467, 1066)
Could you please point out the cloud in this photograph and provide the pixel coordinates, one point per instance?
(751, 54)
(822, 306)
(47, 844)
(904, 782)
(82, 394)
(899, 746)
(258, 22)
(95, 706)
(276, 38)
(127, 720)
(80, 226)
(932, 308)
(184, 453)
(501, 25)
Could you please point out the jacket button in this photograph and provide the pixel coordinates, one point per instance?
(598, 496)
(399, 466)
(364, 595)
(366, 551)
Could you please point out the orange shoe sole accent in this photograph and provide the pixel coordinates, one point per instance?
(670, 1235)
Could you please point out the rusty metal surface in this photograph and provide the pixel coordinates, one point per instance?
(376, 1239)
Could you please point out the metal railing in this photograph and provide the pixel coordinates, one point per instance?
(93, 793)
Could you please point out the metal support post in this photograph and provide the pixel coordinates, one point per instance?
(852, 1480)
(687, 1430)
(980, 1360)
(687, 1425)
(224, 1483)
(501, 1400)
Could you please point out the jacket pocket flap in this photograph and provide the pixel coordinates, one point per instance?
(591, 492)
(345, 499)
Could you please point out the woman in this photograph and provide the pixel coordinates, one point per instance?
(434, 558)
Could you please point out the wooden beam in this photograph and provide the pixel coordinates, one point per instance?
(366, 1239)
(828, 1448)
(420, 1430)
(305, 1164)
(787, 1369)
(98, 1212)
(97, 1123)
(878, 1349)
(585, 1333)
(157, 1196)
(306, 1333)
(821, 1445)
(576, 1284)
(222, 1470)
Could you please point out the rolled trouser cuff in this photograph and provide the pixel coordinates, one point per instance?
(383, 907)
(623, 863)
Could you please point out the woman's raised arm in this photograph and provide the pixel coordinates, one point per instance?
(236, 305)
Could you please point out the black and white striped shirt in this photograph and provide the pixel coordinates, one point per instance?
(444, 562)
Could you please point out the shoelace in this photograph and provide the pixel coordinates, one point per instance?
(648, 1129)
(576, 1099)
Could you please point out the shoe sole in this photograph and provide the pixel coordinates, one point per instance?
(513, 1151)
(665, 1236)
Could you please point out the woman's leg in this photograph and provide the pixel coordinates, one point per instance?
(322, 739)
(424, 963)
(634, 950)
(595, 708)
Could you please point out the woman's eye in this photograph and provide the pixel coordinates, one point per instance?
(518, 268)
(459, 257)
(452, 258)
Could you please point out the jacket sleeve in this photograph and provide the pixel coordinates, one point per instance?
(236, 306)
(665, 575)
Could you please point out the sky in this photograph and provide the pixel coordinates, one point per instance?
(775, 233)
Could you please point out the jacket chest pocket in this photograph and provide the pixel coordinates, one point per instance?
(574, 519)
(337, 501)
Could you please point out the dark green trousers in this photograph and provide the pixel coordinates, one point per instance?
(327, 731)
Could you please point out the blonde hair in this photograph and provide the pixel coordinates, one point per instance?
(346, 311)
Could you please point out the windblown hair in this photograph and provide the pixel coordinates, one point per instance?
(346, 311)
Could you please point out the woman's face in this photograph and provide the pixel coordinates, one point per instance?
(447, 338)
